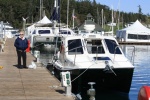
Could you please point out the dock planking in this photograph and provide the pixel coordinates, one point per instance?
(26, 84)
(133, 43)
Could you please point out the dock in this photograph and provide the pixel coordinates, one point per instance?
(133, 43)
(26, 84)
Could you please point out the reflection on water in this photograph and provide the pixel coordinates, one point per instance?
(141, 75)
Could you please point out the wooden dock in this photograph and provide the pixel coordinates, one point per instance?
(26, 84)
(133, 43)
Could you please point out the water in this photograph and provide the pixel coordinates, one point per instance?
(141, 75)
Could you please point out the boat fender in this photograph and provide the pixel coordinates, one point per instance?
(62, 48)
(144, 93)
(28, 49)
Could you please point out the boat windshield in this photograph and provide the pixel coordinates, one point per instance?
(75, 47)
(65, 32)
(112, 46)
(95, 46)
(44, 31)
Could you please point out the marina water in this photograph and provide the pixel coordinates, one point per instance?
(141, 75)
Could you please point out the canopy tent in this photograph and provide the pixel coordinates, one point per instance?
(136, 32)
(44, 21)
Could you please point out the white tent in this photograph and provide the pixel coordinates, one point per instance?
(42, 22)
(136, 32)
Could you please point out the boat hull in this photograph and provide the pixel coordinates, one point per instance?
(105, 80)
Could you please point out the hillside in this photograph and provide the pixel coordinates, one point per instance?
(12, 11)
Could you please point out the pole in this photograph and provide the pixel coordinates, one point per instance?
(67, 12)
(112, 22)
(102, 18)
(40, 9)
(73, 19)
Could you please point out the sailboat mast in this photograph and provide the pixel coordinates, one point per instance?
(112, 22)
(41, 7)
(67, 12)
(73, 19)
(102, 18)
(119, 15)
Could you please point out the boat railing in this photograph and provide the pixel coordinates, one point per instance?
(96, 50)
(132, 57)
(133, 54)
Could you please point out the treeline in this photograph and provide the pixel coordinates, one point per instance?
(12, 11)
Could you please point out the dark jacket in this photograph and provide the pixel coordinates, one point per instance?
(21, 44)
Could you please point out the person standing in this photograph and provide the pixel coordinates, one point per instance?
(21, 44)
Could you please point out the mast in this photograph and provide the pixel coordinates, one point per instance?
(67, 12)
(112, 22)
(40, 8)
(98, 19)
(102, 18)
(119, 15)
(73, 19)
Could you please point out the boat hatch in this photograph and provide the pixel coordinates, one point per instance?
(44, 31)
(101, 58)
(75, 47)
(112, 46)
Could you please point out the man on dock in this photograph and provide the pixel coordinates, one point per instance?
(21, 44)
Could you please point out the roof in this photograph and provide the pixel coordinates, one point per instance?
(89, 15)
(45, 20)
(137, 26)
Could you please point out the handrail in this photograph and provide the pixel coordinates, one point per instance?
(83, 46)
(115, 52)
(132, 57)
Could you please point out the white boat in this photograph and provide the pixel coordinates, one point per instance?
(99, 60)
(42, 35)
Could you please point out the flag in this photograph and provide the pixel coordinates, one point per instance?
(73, 16)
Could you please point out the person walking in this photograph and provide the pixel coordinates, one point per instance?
(21, 44)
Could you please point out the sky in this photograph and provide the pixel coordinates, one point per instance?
(127, 5)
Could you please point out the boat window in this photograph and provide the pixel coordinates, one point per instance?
(57, 40)
(75, 47)
(137, 36)
(95, 46)
(65, 32)
(112, 45)
(33, 32)
(44, 31)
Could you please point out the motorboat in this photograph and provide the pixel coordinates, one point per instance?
(41, 36)
(96, 59)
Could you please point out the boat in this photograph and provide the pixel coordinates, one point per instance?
(96, 59)
(7, 30)
(41, 36)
